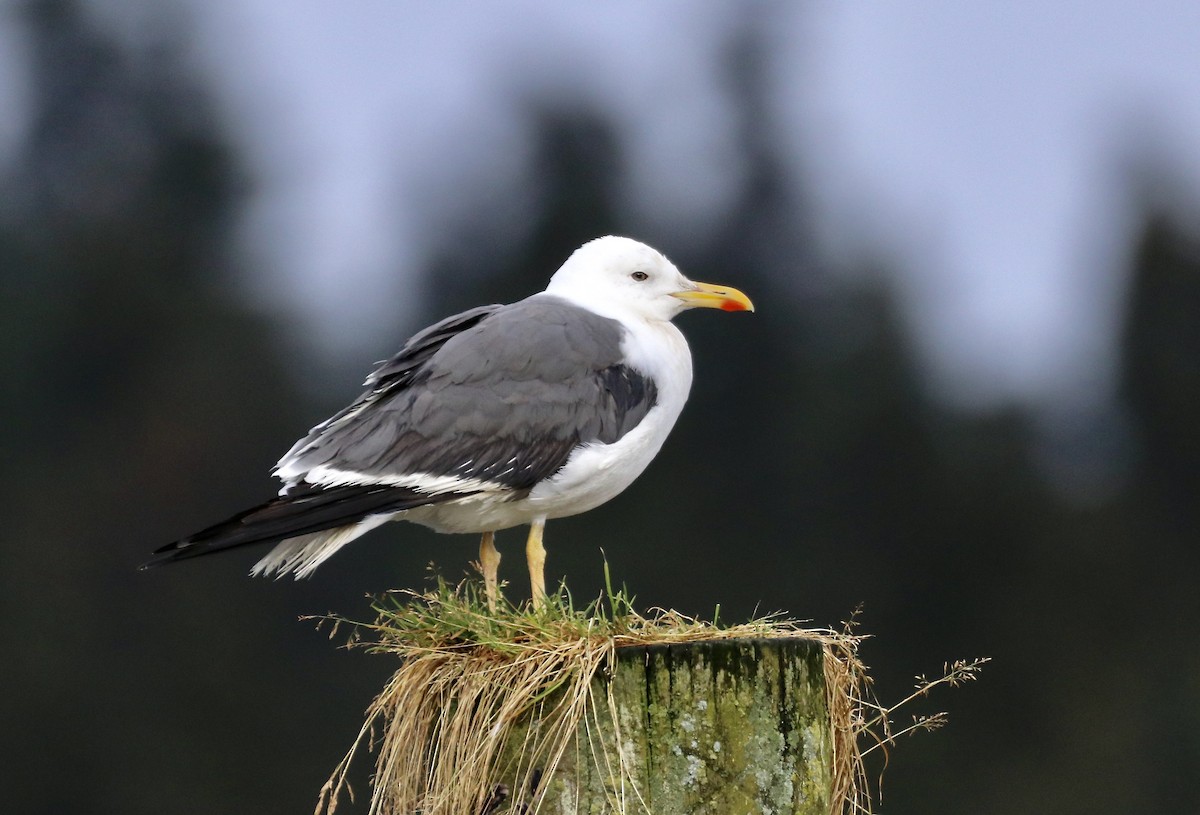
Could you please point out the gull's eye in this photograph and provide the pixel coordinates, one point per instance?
(640, 276)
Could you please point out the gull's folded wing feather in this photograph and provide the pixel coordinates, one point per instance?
(491, 400)
(502, 403)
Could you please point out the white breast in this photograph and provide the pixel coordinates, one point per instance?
(599, 472)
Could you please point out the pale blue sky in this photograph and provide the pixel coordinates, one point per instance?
(977, 142)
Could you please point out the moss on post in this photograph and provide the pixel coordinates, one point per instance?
(698, 728)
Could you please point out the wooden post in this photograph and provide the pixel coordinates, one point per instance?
(716, 727)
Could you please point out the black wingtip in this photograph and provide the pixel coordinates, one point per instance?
(154, 563)
(179, 550)
(300, 513)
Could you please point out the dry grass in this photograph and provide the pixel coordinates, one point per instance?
(861, 725)
(467, 676)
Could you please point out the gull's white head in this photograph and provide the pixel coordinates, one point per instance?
(615, 276)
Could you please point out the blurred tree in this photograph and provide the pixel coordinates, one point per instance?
(1161, 364)
(142, 399)
(1160, 384)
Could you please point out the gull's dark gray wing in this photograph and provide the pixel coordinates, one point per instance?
(397, 372)
(495, 398)
(504, 401)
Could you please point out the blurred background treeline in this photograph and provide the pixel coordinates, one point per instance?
(147, 389)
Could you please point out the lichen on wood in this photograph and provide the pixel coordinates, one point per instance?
(701, 728)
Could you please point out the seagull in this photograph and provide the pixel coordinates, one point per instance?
(501, 416)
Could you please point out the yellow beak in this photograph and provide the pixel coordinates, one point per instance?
(707, 295)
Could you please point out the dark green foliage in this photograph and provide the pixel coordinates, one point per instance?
(1161, 370)
(142, 399)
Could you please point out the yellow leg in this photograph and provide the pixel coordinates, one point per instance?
(535, 554)
(489, 562)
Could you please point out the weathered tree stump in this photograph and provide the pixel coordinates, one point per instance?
(716, 727)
